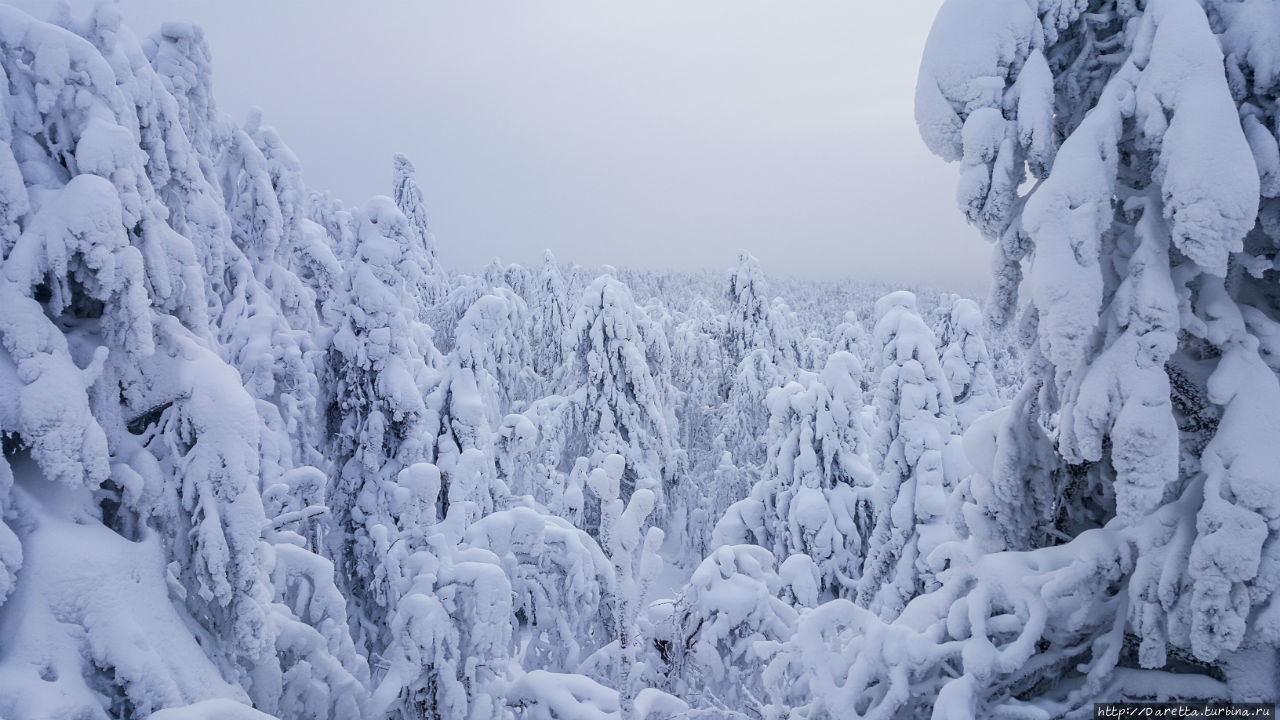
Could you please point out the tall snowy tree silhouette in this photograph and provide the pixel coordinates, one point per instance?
(550, 308)
(914, 422)
(749, 303)
(966, 362)
(616, 402)
(815, 494)
(483, 367)
(427, 278)
(379, 423)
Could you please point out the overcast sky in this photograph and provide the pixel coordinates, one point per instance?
(655, 133)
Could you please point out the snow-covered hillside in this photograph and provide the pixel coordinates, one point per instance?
(265, 457)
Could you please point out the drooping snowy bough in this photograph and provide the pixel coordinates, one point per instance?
(1130, 497)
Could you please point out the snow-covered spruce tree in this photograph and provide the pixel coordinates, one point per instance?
(851, 337)
(486, 364)
(655, 336)
(707, 502)
(325, 677)
(255, 295)
(518, 459)
(723, 623)
(268, 284)
(633, 551)
(762, 341)
(749, 302)
(518, 381)
(550, 309)
(814, 352)
(815, 491)
(428, 278)
(149, 457)
(782, 336)
(1133, 468)
(756, 321)
(516, 588)
(380, 368)
(562, 583)
(614, 401)
(450, 633)
(746, 414)
(443, 317)
(305, 250)
(269, 347)
(339, 224)
(485, 596)
(698, 370)
(966, 363)
(519, 280)
(914, 424)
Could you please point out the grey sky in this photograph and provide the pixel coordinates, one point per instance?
(662, 133)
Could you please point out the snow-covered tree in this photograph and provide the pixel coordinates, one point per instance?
(815, 492)
(562, 583)
(747, 415)
(325, 677)
(1129, 468)
(450, 637)
(723, 623)
(966, 363)
(633, 550)
(749, 302)
(484, 597)
(269, 316)
(615, 402)
(129, 436)
(914, 423)
(814, 351)
(380, 424)
(697, 369)
(428, 279)
(550, 308)
(782, 336)
(486, 366)
(851, 337)
(655, 334)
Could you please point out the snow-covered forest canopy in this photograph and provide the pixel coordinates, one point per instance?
(264, 456)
